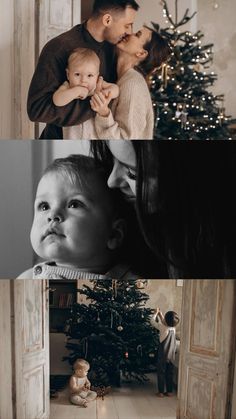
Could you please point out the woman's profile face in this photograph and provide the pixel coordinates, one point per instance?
(123, 175)
(134, 44)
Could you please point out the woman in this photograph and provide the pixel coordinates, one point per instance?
(131, 114)
(183, 202)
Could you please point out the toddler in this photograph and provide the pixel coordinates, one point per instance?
(80, 385)
(82, 80)
(166, 350)
(77, 228)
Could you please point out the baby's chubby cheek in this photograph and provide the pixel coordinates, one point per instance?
(35, 238)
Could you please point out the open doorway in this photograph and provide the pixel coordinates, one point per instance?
(128, 397)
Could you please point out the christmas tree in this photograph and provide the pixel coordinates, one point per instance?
(184, 107)
(112, 332)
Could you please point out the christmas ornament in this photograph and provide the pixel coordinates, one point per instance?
(140, 284)
(151, 355)
(140, 350)
(126, 354)
(114, 288)
(120, 328)
(178, 111)
(184, 118)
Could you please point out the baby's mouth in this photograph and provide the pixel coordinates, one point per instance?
(52, 232)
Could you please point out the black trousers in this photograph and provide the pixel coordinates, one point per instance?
(165, 376)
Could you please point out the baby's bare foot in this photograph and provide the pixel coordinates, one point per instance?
(160, 395)
(85, 403)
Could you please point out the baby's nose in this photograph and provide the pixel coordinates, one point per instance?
(83, 79)
(55, 216)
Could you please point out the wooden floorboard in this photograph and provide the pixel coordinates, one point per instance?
(130, 401)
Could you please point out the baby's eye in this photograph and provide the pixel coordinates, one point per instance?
(132, 174)
(77, 74)
(43, 206)
(76, 203)
(90, 75)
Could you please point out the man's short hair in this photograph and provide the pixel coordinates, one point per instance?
(104, 6)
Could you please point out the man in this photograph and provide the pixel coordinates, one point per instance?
(111, 20)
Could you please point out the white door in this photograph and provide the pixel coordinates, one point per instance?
(31, 349)
(207, 353)
(56, 17)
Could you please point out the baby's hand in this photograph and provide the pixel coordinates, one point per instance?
(82, 92)
(99, 103)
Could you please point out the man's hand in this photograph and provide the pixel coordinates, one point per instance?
(99, 103)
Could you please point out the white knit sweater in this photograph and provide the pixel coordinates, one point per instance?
(131, 115)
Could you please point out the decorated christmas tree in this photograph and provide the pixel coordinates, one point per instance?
(184, 106)
(112, 332)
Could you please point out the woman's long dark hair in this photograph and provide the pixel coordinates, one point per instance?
(159, 52)
(185, 204)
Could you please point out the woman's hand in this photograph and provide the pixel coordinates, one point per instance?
(99, 103)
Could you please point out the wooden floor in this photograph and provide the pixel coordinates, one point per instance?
(131, 401)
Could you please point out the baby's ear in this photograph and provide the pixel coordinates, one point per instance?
(117, 234)
(67, 73)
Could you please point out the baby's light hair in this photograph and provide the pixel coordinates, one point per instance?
(83, 54)
(81, 363)
(79, 169)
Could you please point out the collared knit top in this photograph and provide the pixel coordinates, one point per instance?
(49, 270)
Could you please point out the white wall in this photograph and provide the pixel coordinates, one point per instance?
(64, 148)
(6, 69)
(15, 207)
(152, 11)
(218, 25)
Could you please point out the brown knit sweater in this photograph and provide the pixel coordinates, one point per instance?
(50, 74)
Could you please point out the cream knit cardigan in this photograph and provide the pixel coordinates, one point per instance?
(131, 115)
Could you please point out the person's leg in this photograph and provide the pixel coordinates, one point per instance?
(169, 377)
(91, 395)
(79, 401)
(161, 377)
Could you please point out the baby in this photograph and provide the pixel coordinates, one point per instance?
(83, 75)
(80, 393)
(77, 228)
